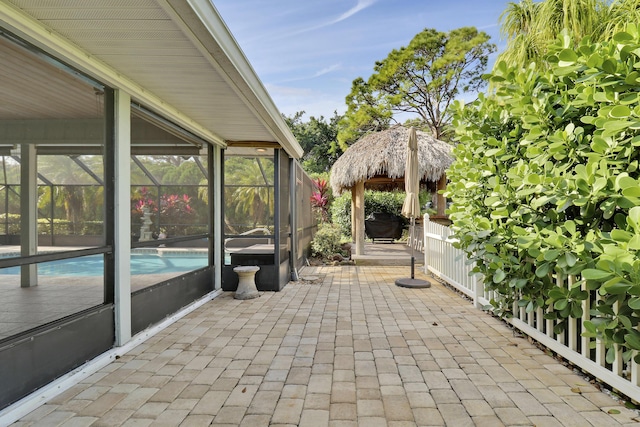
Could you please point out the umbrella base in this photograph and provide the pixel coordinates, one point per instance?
(413, 283)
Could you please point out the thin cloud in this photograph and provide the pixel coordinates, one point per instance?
(327, 70)
(360, 6)
(319, 73)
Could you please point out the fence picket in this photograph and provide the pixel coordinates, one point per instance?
(586, 308)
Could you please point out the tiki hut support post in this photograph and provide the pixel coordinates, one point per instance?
(357, 198)
(353, 213)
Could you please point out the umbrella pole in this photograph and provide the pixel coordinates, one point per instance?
(413, 282)
(413, 259)
(411, 207)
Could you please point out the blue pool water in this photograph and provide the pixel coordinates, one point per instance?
(140, 264)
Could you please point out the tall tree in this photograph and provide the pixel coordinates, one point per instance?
(422, 79)
(318, 139)
(531, 26)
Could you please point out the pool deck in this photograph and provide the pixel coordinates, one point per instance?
(343, 346)
(58, 296)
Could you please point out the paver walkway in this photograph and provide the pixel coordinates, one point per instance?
(349, 349)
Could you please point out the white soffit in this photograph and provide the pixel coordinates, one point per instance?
(178, 50)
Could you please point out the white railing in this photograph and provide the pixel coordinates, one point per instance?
(452, 266)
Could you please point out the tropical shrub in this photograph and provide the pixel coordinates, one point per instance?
(9, 223)
(61, 227)
(546, 185)
(174, 212)
(326, 241)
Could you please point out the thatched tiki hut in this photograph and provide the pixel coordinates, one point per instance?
(377, 160)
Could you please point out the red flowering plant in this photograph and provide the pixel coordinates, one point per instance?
(141, 200)
(175, 213)
(171, 216)
(320, 198)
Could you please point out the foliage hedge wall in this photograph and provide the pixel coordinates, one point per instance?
(546, 184)
(374, 201)
(61, 227)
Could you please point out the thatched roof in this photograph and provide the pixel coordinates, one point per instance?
(385, 153)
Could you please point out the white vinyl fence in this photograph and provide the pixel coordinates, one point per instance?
(452, 266)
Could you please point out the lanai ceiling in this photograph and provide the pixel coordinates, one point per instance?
(178, 51)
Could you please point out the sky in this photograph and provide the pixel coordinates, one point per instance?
(308, 52)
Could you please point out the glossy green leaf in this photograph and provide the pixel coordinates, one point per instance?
(593, 274)
(633, 340)
(594, 60)
(560, 304)
(634, 217)
(616, 288)
(568, 56)
(634, 303)
(589, 326)
(571, 259)
(551, 255)
(621, 235)
(609, 65)
(634, 243)
(543, 269)
(600, 97)
(576, 310)
(631, 192)
(616, 125)
(622, 37)
(620, 111)
(626, 182)
(632, 78)
(599, 145)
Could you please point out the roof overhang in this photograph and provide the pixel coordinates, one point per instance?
(176, 57)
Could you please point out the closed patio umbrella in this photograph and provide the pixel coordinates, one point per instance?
(411, 205)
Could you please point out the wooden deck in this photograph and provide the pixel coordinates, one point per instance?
(398, 253)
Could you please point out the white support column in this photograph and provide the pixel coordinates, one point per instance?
(218, 231)
(294, 189)
(122, 255)
(426, 244)
(28, 213)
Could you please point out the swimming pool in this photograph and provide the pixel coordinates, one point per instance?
(141, 263)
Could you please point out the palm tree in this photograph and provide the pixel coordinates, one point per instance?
(250, 181)
(619, 14)
(518, 23)
(531, 26)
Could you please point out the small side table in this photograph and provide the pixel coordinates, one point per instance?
(246, 282)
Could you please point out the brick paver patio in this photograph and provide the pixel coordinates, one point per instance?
(348, 349)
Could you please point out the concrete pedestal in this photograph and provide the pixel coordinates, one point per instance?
(246, 282)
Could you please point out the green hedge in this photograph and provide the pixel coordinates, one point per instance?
(374, 201)
(326, 241)
(61, 227)
(546, 185)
